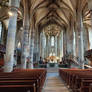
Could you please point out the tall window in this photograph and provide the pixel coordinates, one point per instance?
(0, 31)
(52, 41)
(90, 37)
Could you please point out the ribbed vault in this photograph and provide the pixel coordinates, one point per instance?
(44, 12)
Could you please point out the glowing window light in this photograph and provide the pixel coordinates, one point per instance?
(19, 45)
(10, 13)
(52, 41)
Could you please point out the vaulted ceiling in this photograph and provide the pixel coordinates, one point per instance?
(55, 11)
(45, 13)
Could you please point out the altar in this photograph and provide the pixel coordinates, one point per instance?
(52, 61)
(52, 65)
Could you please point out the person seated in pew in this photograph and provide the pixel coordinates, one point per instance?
(40, 61)
(15, 61)
(60, 62)
(28, 61)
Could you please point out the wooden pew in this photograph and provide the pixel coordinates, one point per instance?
(77, 78)
(34, 76)
(17, 88)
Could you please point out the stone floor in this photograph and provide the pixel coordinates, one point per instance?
(54, 83)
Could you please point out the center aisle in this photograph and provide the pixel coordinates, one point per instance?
(54, 83)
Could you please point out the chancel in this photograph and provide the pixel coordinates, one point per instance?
(45, 45)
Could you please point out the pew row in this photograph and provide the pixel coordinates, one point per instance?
(23, 80)
(79, 80)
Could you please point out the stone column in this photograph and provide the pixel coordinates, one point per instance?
(50, 45)
(47, 46)
(25, 41)
(70, 37)
(30, 66)
(74, 43)
(86, 42)
(37, 47)
(56, 45)
(61, 44)
(80, 44)
(43, 43)
(86, 39)
(8, 64)
(64, 42)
